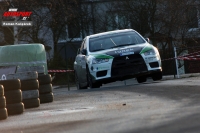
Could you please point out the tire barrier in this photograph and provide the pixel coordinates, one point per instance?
(31, 103)
(3, 109)
(3, 113)
(2, 102)
(38, 69)
(29, 87)
(46, 98)
(45, 88)
(1, 90)
(44, 79)
(31, 84)
(30, 94)
(13, 95)
(16, 108)
(23, 75)
(11, 84)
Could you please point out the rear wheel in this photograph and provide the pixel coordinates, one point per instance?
(79, 87)
(157, 76)
(141, 79)
(90, 82)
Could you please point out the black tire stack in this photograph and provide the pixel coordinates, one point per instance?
(45, 88)
(13, 95)
(3, 109)
(29, 87)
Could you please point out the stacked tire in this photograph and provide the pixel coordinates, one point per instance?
(29, 87)
(3, 109)
(45, 88)
(13, 95)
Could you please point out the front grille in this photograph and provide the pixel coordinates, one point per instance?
(102, 73)
(128, 65)
(154, 64)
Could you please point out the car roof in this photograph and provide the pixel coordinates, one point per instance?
(109, 33)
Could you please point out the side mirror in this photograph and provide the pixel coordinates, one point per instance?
(83, 51)
(147, 39)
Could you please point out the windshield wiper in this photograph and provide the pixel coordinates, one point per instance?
(122, 45)
(98, 49)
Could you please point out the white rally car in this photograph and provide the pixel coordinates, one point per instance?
(116, 55)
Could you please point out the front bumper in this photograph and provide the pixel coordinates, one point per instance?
(125, 67)
(125, 77)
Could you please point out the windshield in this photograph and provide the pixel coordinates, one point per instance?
(114, 40)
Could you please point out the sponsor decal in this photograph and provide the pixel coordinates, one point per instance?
(123, 51)
(127, 53)
(21, 17)
(102, 56)
(145, 49)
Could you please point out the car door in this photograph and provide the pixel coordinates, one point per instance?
(81, 64)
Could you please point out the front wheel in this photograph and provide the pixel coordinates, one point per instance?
(141, 79)
(78, 86)
(90, 82)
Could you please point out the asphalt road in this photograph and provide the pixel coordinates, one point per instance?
(170, 106)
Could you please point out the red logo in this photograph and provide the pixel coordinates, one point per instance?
(17, 14)
(12, 12)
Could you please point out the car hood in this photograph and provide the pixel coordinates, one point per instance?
(123, 51)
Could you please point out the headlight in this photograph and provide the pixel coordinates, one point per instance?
(150, 52)
(98, 61)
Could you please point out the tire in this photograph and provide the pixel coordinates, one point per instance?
(46, 98)
(78, 86)
(29, 84)
(17, 108)
(90, 82)
(46, 88)
(157, 76)
(141, 79)
(30, 94)
(14, 96)
(1, 90)
(3, 114)
(23, 75)
(31, 103)
(2, 102)
(12, 84)
(44, 79)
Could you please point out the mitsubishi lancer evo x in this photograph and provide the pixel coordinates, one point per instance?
(116, 55)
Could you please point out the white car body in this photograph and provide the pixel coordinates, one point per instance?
(98, 62)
